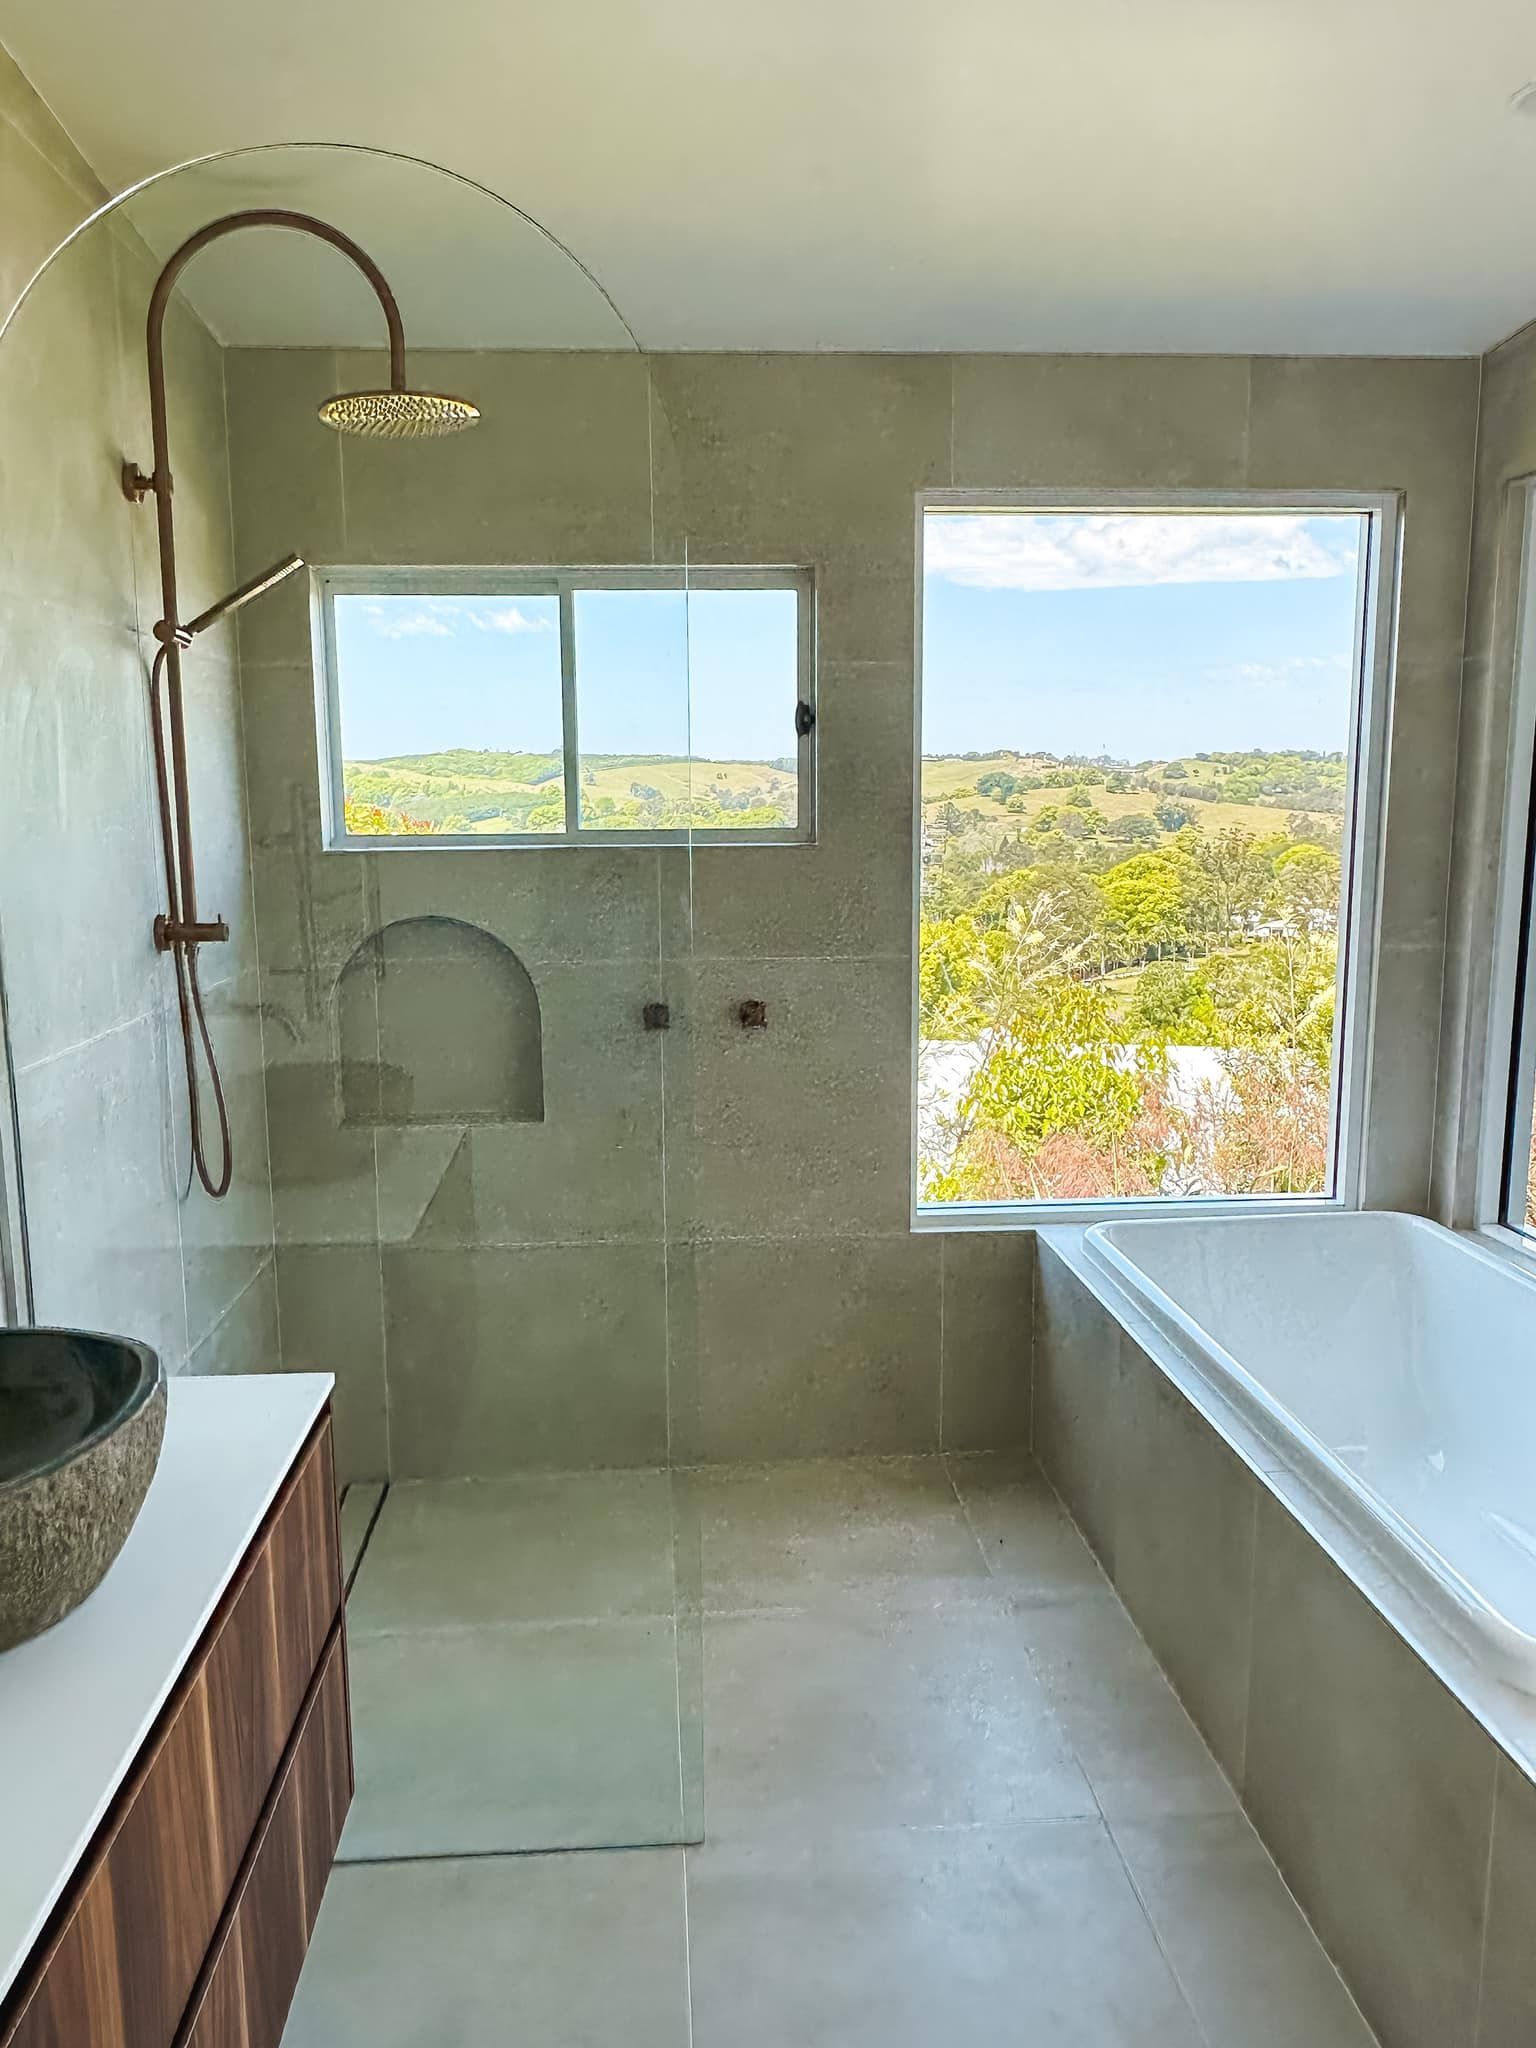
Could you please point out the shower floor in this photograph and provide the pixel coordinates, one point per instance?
(519, 1677)
(949, 1796)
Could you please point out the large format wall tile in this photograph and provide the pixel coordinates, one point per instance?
(1183, 1552)
(556, 903)
(66, 530)
(286, 470)
(805, 460)
(801, 1126)
(1373, 1789)
(988, 1281)
(800, 1347)
(331, 1299)
(246, 1337)
(851, 892)
(1081, 421)
(558, 469)
(101, 1184)
(224, 1243)
(79, 864)
(116, 1240)
(551, 1355)
(592, 1168)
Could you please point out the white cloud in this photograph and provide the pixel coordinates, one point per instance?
(441, 618)
(1265, 674)
(392, 625)
(506, 618)
(1121, 550)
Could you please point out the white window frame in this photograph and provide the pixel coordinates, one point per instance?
(417, 580)
(1370, 704)
(1510, 1054)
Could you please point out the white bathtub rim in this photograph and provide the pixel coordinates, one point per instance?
(1427, 1574)
(1503, 1711)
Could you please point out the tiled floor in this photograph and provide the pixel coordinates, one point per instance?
(949, 1798)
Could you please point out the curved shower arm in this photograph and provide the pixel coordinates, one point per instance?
(277, 217)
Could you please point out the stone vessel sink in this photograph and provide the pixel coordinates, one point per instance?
(81, 1422)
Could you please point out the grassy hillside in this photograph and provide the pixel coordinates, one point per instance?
(465, 790)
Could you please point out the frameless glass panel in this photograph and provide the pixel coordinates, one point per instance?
(743, 687)
(631, 665)
(450, 714)
(1138, 807)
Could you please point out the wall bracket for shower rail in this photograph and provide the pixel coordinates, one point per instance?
(394, 413)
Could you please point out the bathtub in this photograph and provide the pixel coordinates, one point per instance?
(1390, 1365)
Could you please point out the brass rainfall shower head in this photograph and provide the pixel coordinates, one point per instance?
(398, 415)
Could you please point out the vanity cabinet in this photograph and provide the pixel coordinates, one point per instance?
(187, 1920)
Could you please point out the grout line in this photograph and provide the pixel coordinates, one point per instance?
(1153, 1929)
(993, 1577)
(1482, 1952)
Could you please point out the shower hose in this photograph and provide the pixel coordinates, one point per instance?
(189, 994)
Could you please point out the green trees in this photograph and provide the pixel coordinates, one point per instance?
(1133, 1004)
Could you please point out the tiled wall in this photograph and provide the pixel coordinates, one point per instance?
(704, 1249)
(1407, 1836)
(1506, 450)
(115, 1242)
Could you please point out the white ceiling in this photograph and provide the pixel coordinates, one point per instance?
(1312, 175)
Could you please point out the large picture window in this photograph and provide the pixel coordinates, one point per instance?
(1146, 846)
(511, 707)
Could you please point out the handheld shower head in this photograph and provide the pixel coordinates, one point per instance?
(398, 415)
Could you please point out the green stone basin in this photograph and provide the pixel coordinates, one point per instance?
(82, 1418)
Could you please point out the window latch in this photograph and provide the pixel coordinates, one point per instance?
(805, 719)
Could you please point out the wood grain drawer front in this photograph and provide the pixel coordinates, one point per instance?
(243, 1999)
(122, 1966)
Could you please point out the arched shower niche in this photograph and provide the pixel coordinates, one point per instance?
(437, 1022)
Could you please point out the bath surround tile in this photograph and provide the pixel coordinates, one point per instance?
(1373, 1789)
(1507, 2001)
(1079, 1406)
(1184, 1548)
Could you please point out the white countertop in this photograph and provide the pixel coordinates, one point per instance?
(77, 1703)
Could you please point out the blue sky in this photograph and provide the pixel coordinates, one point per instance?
(420, 674)
(1134, 634)
(1138, 635)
